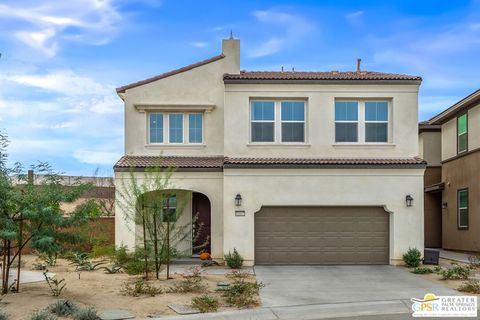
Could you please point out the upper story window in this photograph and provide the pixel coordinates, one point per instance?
(293, 121)
(376, 121)
(346, 121)
(277, 121)
(462, 208)
(175, 128)
(263, 121)
(462, 133)
(361, 121)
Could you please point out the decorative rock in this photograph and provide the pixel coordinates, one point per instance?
(183, 309)
(115, 314)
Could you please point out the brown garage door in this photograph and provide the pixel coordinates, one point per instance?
(321, 235)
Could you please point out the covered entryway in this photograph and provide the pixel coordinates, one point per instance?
(322, 235)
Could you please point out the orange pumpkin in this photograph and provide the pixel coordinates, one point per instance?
(204, 256)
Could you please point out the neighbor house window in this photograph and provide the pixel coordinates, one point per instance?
(376, 121)
(263, 121)
(346, 121)
(462, 203)
(462, 133)
(293, 121)
(156, 128)
(195, 125)
(170, 127)
(169, 209)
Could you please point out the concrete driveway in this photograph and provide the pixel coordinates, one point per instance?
(306, 285)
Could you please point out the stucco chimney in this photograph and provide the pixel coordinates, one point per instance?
(231, 50)
(359, 62)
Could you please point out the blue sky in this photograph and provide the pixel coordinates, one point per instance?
(61, 60)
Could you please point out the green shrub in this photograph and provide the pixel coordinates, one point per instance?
(137, 267)
(205, 303)
(138, 288)
(471, 286)
(121, 256)
(102, 251)
(422, 270)
(42, 315)
(242, 294)
(234, 260)
(113, 269)
(62, 308)
(412, 258)
(56, 285)
(437, 269)
(238, 275)
(86, 314)
(191, 281)
(457, 272)
(4, 316)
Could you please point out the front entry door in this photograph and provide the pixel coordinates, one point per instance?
(201, 223)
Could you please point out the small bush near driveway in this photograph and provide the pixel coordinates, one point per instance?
(139, 288)
(422, 270)
(412, 258)
(205, 303)
(234, 260)
(471, 286)
(242, 294)
(456, 272)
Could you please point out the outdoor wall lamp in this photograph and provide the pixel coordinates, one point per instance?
(238, 200)
(444, 205)
(409, 200)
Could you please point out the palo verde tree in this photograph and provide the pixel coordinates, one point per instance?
(156, 207)
(31, 215)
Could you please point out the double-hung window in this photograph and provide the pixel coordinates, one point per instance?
(376, 121)
(262, 121)
(195, 125)
(175, 128)
(462, 208)
(462, 133)
(156, 127)
(346, 121)
(293, 121)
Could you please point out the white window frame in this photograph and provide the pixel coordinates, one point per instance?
(166, 129)
(347, 121)
(188, 129)
(361, 128)
(263, 121)
(459, 226)
(277, 121)
(375, 121)
(292, 121)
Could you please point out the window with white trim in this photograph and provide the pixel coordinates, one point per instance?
(263, 121)
(362, 121)
(462, 133)
(293, 121)
(175, 128)
(462, 208)
(346, 121)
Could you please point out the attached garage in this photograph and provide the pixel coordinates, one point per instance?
(322, 235)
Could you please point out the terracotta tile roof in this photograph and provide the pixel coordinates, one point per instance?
(308, 76)
(219, 162)
(326, 161)
(170, 161)
(170, 73)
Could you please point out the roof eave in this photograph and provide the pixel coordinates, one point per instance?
(464, 104)
(317, 81)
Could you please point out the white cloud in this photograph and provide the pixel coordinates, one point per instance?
(198, 44)
(287, 29)
(354, 15)
(45, 25)
(96, 157)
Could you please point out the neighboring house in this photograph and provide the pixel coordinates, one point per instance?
(460, 174)
(286, 167)
(430, 151)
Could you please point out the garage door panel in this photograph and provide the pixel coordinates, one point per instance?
(321, 235)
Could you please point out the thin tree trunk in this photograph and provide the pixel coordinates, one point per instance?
(168, 236)
(19, 252)
(4, 268)
(7, 268)
(155, 244)
(145, 254)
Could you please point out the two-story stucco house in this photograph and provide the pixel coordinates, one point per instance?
(454, 188)
(286, 167)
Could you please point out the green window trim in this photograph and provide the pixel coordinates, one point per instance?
(462, 209)
(462, 133)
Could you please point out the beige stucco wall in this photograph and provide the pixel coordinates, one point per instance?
(208, 183)
(199, 86)
(320, 125)
(356, 187)
(430, 147)
(449, 134)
